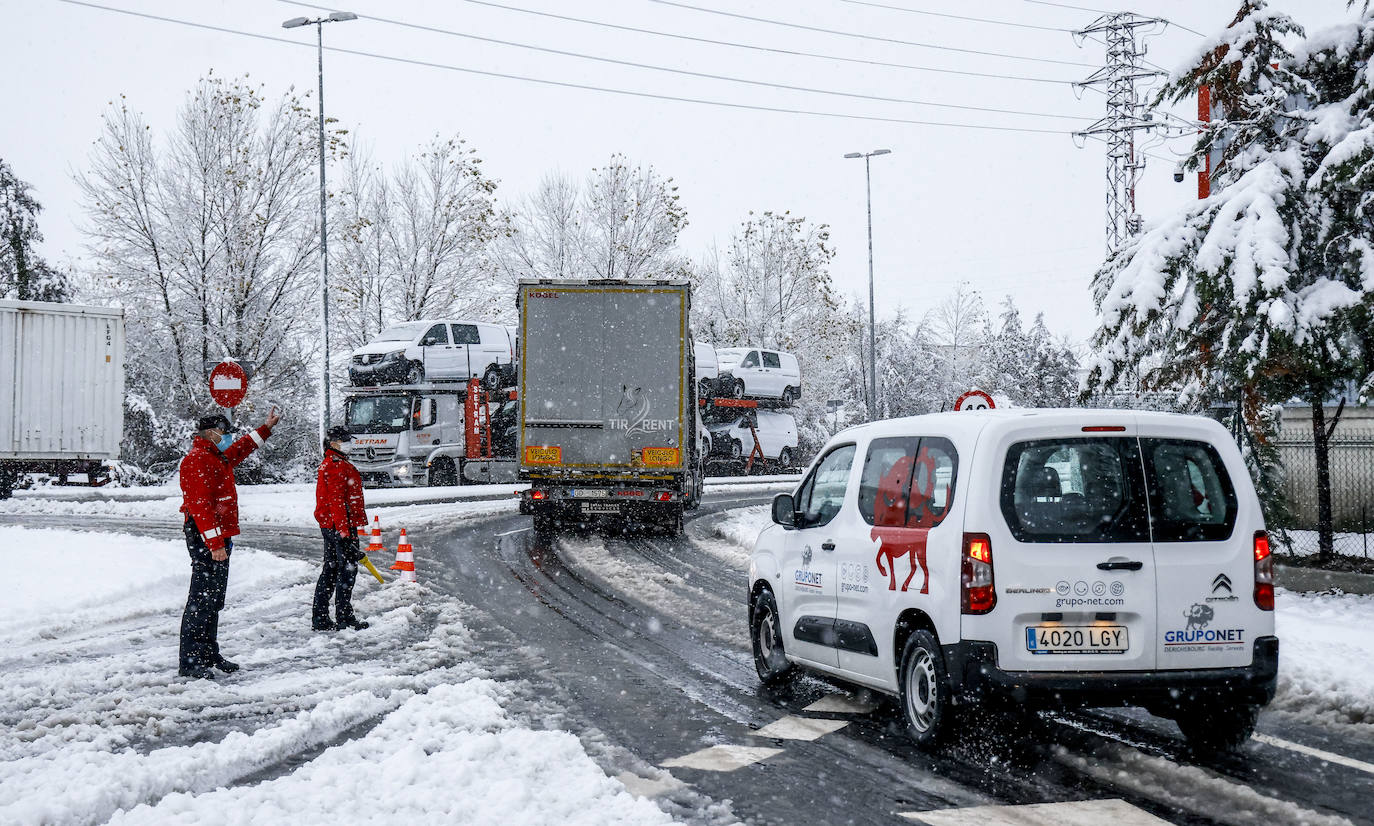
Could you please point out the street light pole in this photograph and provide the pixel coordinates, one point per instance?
(318, 23)
(872, 315)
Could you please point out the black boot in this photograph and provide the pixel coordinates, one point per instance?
(227, 666)
(196, 672)
(316, 625)
(354, 623)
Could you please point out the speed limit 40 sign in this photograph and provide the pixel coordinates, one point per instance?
(974, 400)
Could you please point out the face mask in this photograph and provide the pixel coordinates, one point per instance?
(224, 442)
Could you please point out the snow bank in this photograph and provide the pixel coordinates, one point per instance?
(739, 529)
(1326, 657)
(392, 723)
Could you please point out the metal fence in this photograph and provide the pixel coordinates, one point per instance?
(1352, 492)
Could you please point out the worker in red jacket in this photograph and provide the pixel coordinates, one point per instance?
(339, 510)
(211, 504)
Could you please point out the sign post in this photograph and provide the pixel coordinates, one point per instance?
(228, 384)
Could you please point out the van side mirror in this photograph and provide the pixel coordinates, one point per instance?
(783, 513)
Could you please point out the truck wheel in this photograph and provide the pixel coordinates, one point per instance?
(785, 458)
(544, 525)
(491, 380)
(765, 634)
(8, 480)
(443, 473)
(416, 373)
(924, 690)
(1217, 729)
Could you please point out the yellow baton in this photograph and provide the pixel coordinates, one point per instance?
(368, 564)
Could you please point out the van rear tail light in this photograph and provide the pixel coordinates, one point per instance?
(979, 595)
(1264, 572)
(1104, 428)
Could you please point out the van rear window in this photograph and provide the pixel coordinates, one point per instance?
(1191, 497)
(1075, 490)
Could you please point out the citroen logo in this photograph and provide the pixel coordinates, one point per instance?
(1222, 581)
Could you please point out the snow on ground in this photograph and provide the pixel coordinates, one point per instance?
(272, 504)
(392, 723)
(1326, 658)
(731, 535)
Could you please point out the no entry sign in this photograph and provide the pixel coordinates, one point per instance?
(974, 400)
(228, 384)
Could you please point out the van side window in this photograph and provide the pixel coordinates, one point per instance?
(1191, 497)
(1075, 490)
(822, 494)
(751, 360)
(465, 334)
(908, 482)
(771, 360)
(438, 334)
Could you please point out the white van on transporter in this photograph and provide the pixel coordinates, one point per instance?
(416, 352)
(1042, 557)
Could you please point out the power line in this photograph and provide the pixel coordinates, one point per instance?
(958, 16)
(707, 75)
(1104, 11)
(769, 49)
(874, 38)
(566, 84)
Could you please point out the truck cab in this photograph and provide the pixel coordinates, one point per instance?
(396, 429)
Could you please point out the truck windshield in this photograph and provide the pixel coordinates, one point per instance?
(378, 414)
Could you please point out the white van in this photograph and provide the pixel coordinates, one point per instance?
(748, 372)
(777, 436)
(707, 369)
(442, 350)
(1048, 557)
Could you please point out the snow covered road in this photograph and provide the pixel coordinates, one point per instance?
(630, 653)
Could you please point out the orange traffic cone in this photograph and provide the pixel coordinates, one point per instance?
(375, 546)
(405, 559)
(362, 536)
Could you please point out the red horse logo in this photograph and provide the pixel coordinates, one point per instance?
(900, 526)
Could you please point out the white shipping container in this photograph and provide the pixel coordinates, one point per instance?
(61, 381)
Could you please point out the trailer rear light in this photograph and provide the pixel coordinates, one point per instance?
(979, 594)
(663, 496)
(538, 495)
(1104, 428)
(1264, 572)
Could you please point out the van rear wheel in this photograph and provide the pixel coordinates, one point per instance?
(1216, 729)
(924, 690)
(765, 632)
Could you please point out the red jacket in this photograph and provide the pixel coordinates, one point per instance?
(339, 495)
(208, 494)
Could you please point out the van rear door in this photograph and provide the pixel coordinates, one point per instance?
(1203, 551)
(1073, 565)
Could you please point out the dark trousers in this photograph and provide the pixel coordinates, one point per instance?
(200, 620)
(337, 576)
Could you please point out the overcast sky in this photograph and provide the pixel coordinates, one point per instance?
(1018, 213)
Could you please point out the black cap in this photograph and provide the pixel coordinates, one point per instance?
(217, 421)
(338, 433)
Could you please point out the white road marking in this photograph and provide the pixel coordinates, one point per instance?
(722, 758)
(508, 533)
(800, 728)
(843, 704)
(647, 786)
(1330, 757)
(1082, 813)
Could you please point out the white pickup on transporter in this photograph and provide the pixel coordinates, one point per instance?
(608, 429)
(1042, 557)
(61, 389)
(416, 435)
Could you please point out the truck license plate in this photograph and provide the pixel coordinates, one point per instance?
(590, 493)
(1077, 639)
(600, 507)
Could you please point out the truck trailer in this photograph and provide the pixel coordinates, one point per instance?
(608, 425)
(61, 390)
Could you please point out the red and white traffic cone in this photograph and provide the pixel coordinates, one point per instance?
(375, 546)
(405, 559)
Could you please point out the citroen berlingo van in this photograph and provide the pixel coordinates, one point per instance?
(1051, 558)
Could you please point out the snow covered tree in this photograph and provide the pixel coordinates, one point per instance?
(23, 272)
(631, 217)
(360, 253)
(211, 244)
(956, 333)
(1248, 294)
(546, 237)
(1028, 367)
